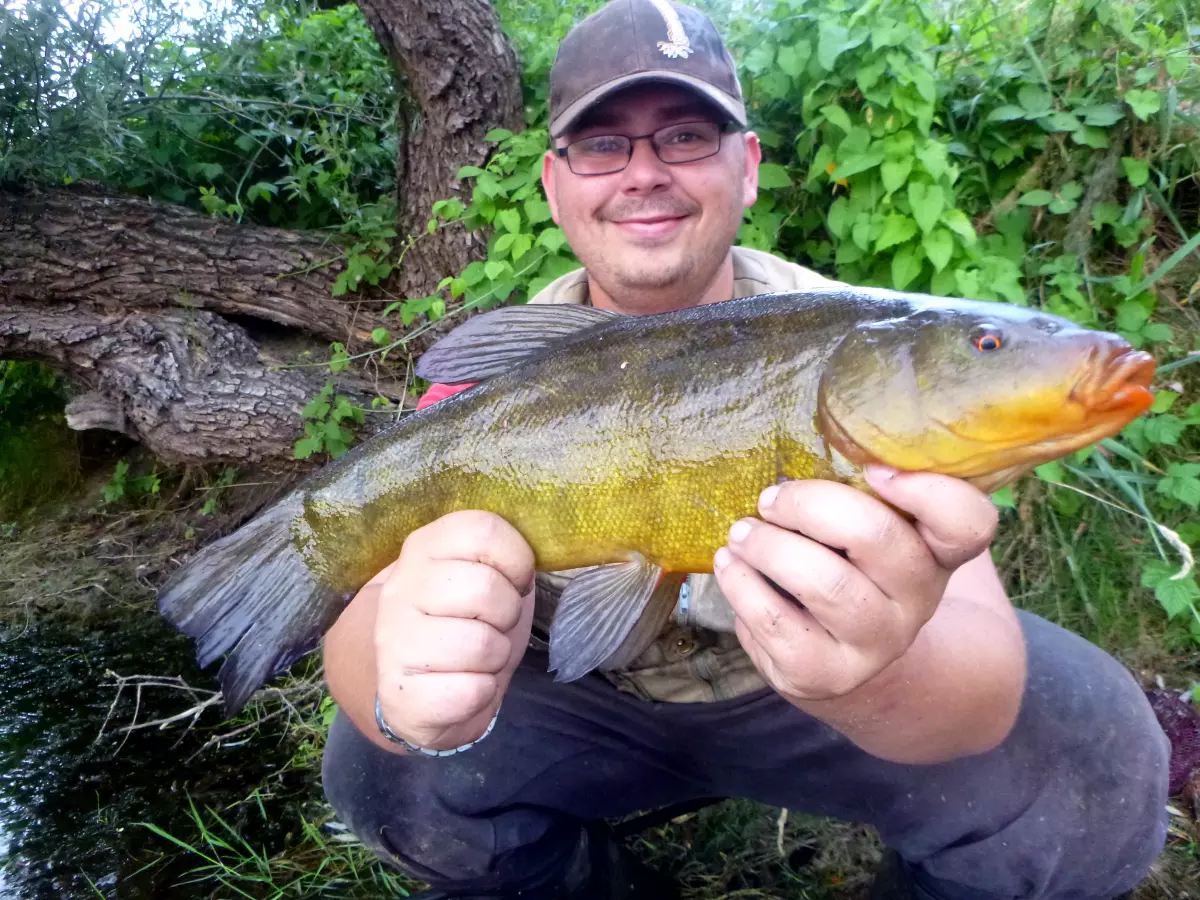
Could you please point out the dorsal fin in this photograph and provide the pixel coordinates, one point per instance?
(502, 339)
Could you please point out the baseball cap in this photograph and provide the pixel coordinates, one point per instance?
(630, 42)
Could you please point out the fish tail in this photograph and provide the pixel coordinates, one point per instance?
(251, 595)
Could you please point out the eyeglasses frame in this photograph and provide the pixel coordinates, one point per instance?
(723, 128)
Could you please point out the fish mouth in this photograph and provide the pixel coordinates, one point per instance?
(1120, 384)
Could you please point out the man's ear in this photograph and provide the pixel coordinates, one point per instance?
(750, 178)
(548, 174)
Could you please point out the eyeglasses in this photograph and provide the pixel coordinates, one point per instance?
(604, 154)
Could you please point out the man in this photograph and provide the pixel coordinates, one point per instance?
(891, 683)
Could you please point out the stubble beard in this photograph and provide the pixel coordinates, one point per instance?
(637, 277)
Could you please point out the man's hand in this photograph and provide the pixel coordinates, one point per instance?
(859, 613)
(452, 624)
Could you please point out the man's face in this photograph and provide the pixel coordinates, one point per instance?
(652, 225)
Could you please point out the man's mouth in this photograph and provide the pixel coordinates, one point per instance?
(650, 226)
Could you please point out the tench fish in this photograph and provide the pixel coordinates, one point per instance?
(632, 443)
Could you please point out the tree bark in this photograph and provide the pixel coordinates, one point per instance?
(188, 385)
(121, 295)
(463, 75)
(116, 252)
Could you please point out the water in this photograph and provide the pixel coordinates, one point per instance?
(69, 804)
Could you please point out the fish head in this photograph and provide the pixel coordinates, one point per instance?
(980, 391)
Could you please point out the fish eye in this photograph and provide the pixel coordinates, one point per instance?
(985, 340)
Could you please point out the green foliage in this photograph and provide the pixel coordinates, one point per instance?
(324, 424)
(39, 456)
(121, 487)
(212, 500)
(278, 115)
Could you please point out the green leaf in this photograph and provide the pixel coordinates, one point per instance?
(761, 58)
(1060, 205)
(468, 172)
(552, 239)
(1176, 597)
(503, 244)
(895, 172)
(860, 233)
(792, 59)
(1163, 400)
(1059, 121)
(1003, 498)
(939, 247)
(1158, 331)
(1034, 101)
(1072, 190)
(1102, 115)
(498, 134)
(923, 82)
(837, 219)
(928, 202)
(1181, 483)
(831, 41)
(773, 175)
(933, 158)
(1006, 114)
(944, 283)
(264, 189)
(820, 163)
(857, 163)
(306, 447)
(1052, 472)
(1036, 198)
(906, 265)
(509, 220)
(1136, 170)
(494, 269)
(956, 220)
(474, 273)
(868, 74)
(381, 336)
(521, 245)
(1105, 214)
(1088, 136)
(537, 211)
(1164, 429)
(837, 116)
(1131, 316)
(896, 230)
(1143, 103)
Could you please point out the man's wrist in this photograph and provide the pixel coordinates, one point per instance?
(956, 692)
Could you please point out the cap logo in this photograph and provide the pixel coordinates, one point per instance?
(677, 45)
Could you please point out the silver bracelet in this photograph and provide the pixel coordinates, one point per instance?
(425, 751)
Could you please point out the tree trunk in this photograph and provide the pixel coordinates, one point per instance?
(121, 295)
(124, 253)
(463, 75)
(189, 386)
(177, 324)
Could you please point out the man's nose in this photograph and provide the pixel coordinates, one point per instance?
(645, 170)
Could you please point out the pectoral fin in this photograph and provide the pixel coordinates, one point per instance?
(608, 615)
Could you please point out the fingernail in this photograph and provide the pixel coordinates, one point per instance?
(721, 559)
(739, 530)
(881, 473)
(767, 497)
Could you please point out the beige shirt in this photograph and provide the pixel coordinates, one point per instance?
(697, 658)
